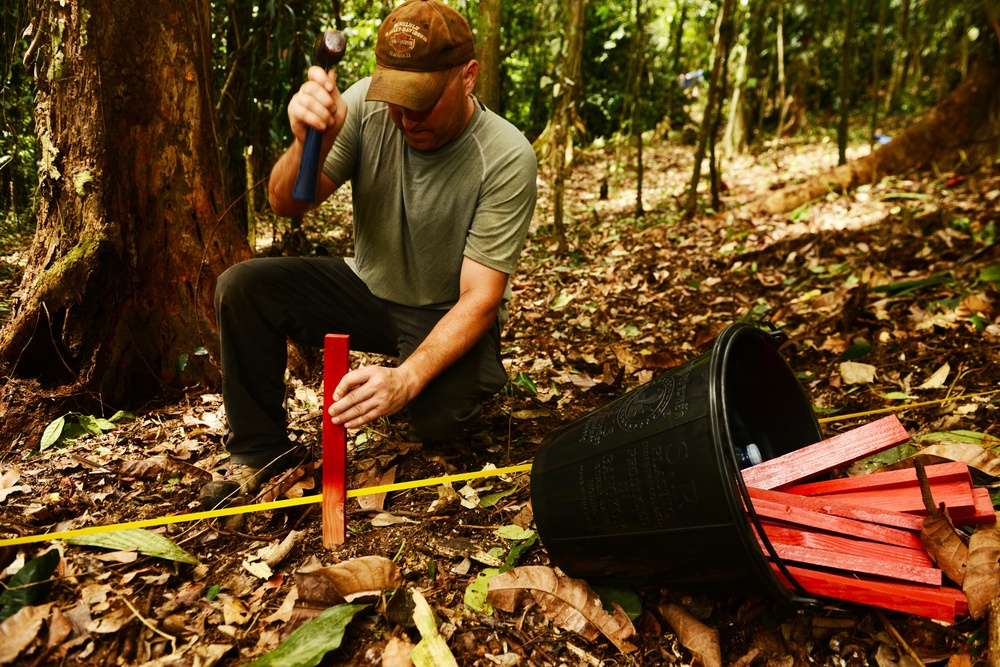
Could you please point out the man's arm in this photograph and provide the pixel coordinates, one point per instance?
(371, 392)
(316, 105)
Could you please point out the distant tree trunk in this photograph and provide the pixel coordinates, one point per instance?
(902, 56)
(883, 6)
(555, 144)
(639, 50)
(734, 139)
(782, 94)
(962, 127)
(488, 52)
(715, 83)
(676, 53)
(846, 53)
(116, 297)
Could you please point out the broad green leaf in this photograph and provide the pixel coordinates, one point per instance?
(990, 274)
(623, 597)
(631, 331)
(476, 592)
(89, 424)
(859, 349)
(28, 584)
(516, 551)
(143, 541)
(514, 533)
(524, 381)
(907, 286)
(491, 499)
(432, 650)
(52, 433)
(104, 424)
(121, 416)
(562, 300)
(311, 641)
(897, 396)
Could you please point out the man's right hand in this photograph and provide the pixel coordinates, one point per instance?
(318, 105)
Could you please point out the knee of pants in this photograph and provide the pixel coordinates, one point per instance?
(230, 282)
(441, 418)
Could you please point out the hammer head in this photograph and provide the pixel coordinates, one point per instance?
(330, 48)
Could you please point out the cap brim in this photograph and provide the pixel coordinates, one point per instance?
(417, 91)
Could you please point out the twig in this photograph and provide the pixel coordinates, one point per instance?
(925, 488)
(899, 638)
(148, 624)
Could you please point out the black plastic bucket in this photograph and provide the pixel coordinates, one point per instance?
(647, 489)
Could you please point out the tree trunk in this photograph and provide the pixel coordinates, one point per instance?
(556, 141)
(782, 94)
(845, 82)
(960, 128)
(639, 55)
(116, 297)
(900, 62)
(488, 52)
(883, 6)
(714, 85)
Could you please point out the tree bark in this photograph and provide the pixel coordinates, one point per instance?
(132, 228)
(845, 83)
(555, 144)
(960, 128)
(782, 94)
(488, 52)
(715, 83)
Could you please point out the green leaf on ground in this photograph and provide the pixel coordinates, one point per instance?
(29, 584)
(491, 499)
(52, 433)
(139, 539)
(311, 641)
(625, 598)
(475, 593)
(514, 533)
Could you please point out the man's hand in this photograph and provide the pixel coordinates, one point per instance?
(368, 393)
(318, 105)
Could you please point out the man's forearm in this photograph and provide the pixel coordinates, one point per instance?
(282, 182)
(453, 336)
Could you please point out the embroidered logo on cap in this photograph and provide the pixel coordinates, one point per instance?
(403, 38)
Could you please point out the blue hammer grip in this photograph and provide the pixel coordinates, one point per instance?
(305, 182)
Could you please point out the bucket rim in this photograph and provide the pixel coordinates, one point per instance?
(737, 495)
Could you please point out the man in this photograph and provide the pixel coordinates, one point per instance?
(443, 193)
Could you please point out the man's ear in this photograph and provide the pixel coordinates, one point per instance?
(469, 76)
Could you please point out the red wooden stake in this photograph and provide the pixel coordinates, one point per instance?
(823, 456)
(336, 353)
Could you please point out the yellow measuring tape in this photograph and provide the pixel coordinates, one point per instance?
(262, 507)
(374, 490)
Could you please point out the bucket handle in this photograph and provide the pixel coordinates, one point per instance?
(777, 336)
(804, 599)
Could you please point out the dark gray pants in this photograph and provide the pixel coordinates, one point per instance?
(261, 303)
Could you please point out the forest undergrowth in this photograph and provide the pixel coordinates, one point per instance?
(896, 281)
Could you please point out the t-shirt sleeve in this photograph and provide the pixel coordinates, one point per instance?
(342, 159)
(504, 212)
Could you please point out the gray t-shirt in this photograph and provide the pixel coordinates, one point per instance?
(417, 214)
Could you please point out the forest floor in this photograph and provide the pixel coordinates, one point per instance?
(900, 277)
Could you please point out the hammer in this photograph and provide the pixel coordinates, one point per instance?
(328, 51)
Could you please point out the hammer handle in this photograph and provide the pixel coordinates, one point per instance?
(305, 182)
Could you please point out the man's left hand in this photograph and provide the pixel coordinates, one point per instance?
(368, 393)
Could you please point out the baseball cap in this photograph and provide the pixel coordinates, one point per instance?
(418, 45)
